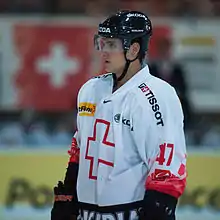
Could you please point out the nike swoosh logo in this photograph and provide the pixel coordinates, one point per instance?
(106, 101)
(162, 175)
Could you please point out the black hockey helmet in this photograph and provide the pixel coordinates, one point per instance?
(126, 26)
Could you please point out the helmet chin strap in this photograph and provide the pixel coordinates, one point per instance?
(125, 70)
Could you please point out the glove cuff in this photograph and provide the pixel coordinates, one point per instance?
(159, 205)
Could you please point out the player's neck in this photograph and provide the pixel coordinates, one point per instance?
(132, 70)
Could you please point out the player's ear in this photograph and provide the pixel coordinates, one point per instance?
(133, 51)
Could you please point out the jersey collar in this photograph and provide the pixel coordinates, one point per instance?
(142, 75)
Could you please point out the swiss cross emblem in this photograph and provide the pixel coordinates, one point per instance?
(58, 64)
(92, 154)
(52, 65)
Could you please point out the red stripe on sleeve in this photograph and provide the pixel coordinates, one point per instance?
(165, 182)
(74, 152)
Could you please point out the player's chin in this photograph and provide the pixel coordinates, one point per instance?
(108, 67)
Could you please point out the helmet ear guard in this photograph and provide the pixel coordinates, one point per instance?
(143, 41)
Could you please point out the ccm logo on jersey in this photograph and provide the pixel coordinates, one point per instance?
(86, 109)
(153, 102)
(125, 121)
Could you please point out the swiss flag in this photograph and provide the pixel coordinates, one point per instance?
(54, 61)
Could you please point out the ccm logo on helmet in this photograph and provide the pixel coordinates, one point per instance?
(153, 102)
(104, 30)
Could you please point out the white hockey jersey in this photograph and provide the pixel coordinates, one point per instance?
(130, 140)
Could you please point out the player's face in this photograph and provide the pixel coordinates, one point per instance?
(113, 62)
(112, 53)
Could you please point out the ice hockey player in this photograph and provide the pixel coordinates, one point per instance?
(128, 155)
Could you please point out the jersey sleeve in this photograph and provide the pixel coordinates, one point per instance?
(75, 144)
(160, 142)
(74, 149)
